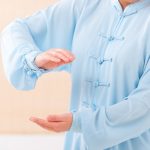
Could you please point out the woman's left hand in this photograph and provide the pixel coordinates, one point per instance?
(56, 123)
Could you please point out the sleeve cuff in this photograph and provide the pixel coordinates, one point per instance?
(30, 66)
(76, 123)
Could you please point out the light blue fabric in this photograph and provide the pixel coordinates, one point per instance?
(110, 97)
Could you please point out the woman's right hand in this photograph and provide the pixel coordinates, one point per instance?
(53, 58)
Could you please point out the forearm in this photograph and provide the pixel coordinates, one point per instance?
(16, 43)
(112, 125)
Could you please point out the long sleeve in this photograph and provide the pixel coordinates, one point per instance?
(111, 125)
(23, 39)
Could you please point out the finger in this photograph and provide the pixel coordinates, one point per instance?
(51, 65)
(59, 126)
(44, 59)
(66, 53)
(55, 118)
(42, 123)
(58, 118)
(48, 62)
(52, 58)
(60, 56)
(51, 126)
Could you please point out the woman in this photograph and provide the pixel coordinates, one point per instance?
(105, 46)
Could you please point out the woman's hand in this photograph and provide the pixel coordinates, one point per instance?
(56, 123)
(53, 58)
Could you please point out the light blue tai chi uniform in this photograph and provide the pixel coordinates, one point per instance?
(110, 97)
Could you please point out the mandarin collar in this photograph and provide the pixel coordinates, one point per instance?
(130, 9)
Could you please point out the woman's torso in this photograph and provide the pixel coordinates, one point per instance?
(111, 50)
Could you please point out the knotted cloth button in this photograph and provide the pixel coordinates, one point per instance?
(98, 83)
(93, 106)
(111, 38)
(101, 62)
(29, 73)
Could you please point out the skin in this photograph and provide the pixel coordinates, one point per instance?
(51, 59)
(48, 60)
(125, 3)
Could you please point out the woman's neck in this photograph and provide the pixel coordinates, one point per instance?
(125, 3)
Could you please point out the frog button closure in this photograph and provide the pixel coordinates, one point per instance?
(111, 38)
(98, 84)
(101, 61)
